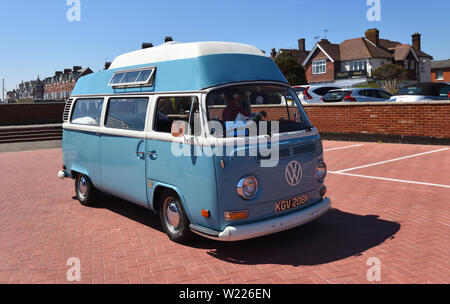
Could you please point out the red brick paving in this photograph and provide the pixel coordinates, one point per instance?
(406, 226)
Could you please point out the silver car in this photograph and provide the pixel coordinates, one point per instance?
(423, 91)
(357, 95)
(312, 93)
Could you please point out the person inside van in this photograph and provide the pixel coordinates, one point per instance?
(233, 108)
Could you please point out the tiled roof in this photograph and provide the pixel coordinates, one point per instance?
(361, 48)
(331, 49)
(440, 64)
(401, 52)
(388, 44)
(422, 54)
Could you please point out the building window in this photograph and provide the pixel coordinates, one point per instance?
(319, 67)
(439, 75)
(406, 65)
(357, 65)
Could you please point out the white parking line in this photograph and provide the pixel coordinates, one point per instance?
(341, 148)
(392, 160)
(392, 180)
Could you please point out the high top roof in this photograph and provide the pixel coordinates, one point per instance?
(181, 67)
(176, 51)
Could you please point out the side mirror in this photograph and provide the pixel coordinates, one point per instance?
(179, 128)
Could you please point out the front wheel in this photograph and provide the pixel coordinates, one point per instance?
(86, 193)
(173, 217)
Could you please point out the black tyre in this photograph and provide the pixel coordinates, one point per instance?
(173, 217)
(86, 193)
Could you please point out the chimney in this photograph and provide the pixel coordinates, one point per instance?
(301, 45)
(66, 71)
(147, 45)
(373, 35)
(416, 41)
(168, 39)
(76, 68)
(324, 41)
(107, 65)
(273, 53)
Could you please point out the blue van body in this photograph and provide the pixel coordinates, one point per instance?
(137, 165)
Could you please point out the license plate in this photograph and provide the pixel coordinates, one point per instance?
(292, 203)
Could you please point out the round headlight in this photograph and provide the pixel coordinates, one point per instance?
(247, 187)
(321, 171)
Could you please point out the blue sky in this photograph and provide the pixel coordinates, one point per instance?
(38, 39)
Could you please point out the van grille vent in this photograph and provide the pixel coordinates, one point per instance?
(66, 115)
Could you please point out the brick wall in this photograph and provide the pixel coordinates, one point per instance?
(28, 114)
(426, 119)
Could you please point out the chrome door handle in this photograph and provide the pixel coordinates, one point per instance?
(153, 155)
(140, 155)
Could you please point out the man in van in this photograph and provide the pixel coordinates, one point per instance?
(233, 108)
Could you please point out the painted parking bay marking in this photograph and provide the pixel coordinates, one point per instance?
(389, 161)
(392, 180)
(342, 148)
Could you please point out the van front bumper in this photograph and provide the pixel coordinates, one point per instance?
(270, 226)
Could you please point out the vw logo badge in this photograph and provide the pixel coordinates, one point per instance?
(294, 173)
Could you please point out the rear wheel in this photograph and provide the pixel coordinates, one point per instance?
(173, 217)
(86, 193)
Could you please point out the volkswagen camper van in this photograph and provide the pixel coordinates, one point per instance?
(208, 135)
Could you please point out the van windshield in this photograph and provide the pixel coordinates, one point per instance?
(232, 108)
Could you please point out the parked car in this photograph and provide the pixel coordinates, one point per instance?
(312, 94)
(357, 95)
(423, 91)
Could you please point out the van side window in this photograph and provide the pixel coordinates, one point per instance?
(127, 113)
(87, 112)
(170, 109)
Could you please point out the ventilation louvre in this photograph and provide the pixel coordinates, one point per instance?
(67, 108)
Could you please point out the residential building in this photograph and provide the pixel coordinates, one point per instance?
(31, 90)
(11, 96)
(357, 58)
(299, 54)
(60, 86)
(440, 71)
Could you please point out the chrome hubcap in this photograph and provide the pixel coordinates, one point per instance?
(173, 216)
(82, 187)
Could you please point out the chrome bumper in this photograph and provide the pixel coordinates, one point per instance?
(270, 226)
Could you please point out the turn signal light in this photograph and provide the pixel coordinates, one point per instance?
(236, 215)
(206, 213)
(323, 191)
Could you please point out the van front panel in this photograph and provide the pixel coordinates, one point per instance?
(273, 186)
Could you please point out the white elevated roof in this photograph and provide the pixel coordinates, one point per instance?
(175, 51)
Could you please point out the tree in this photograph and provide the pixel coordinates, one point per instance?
(292, 70)
(389, 75)
(389, 72)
